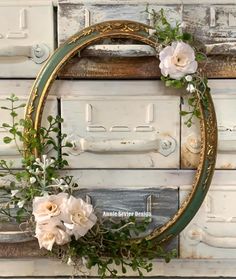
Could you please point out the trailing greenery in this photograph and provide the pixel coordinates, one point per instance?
(110, 244)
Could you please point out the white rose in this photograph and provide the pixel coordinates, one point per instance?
(51, 232)
(46, 207)
(78, 217)
(177, 60)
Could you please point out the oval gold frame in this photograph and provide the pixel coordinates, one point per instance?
(208, 126)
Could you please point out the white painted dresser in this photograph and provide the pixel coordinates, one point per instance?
(110, 105)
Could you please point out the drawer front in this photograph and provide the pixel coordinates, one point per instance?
(211, 233)
(20, 87)
(73, 16)
(224, 97)
(116, 193)
(26, 37)
(122, 131)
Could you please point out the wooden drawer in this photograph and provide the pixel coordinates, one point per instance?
(73, 16)
(224, 97)
(211, 233)
(124, 130)
(26, 37)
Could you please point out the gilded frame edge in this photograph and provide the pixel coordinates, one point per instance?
(208, 124)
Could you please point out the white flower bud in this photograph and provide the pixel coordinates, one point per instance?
(189, 78)
(14, 192)
(21, 203)
(190, 88)
(32, 180)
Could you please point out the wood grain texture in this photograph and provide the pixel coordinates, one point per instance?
(218, 66)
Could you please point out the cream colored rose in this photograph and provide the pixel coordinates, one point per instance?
(78, 217)
(177, 60)
(46, 207)
(51, 232)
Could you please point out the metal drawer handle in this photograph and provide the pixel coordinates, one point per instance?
(38, 53)
(226, 141)
(197, 235)
(165, 145)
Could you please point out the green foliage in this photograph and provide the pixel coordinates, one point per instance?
(165, 34)
(27, 139)
(108, 245)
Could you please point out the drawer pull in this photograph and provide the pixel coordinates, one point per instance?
(197, 235)
(8, 150)
(165, 145)
(226, 141)
(38, 53)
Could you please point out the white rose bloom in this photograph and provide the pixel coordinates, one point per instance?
(177, 60)
(49, 206)
(51, 232)
(78, 217)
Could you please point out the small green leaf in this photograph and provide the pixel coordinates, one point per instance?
(200, 57)
(13, 114)
(7, 140)
(183, 113)
(50, 118)
(187, 36)
(5, 125)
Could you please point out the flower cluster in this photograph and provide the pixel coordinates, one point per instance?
(179, 62)
(58, 217)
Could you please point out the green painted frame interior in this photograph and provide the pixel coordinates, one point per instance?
(208, 125)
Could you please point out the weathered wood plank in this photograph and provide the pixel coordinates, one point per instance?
(28, 249)
(138, 68)
(176, 268)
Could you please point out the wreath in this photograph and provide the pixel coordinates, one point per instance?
(45, 203)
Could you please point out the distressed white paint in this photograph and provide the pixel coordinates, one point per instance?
(74, 16)
(137, 179)
(211, 233)
(24, 27)
(115, 2)
(224, 97)
(177, 267)
(117, 136)
(119, 50)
